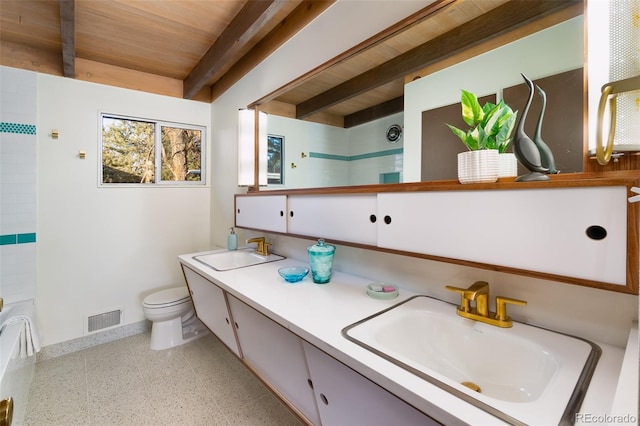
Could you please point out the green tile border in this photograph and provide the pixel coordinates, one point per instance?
(21, 129)
(26, 238)
(377, 154)
(323, 156)
(10, 239)
(329, 156)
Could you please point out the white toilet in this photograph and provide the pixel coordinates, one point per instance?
(173, 318)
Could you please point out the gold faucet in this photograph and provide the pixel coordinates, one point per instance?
(262, 247)
(479, 293)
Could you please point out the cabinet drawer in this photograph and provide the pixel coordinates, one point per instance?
(573, 232)
(211, 308)
(349, 218)
(344, 397)
(277, 354)
(262, 212)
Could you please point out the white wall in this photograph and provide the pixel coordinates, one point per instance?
(18, 177)
(106, 248)
(486, 74)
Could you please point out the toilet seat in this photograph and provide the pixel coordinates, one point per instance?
(166, 298)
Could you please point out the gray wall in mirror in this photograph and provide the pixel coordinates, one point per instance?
(562, 129)
(548, 52)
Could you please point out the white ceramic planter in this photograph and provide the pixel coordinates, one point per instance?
(478, 166)
(507, 165)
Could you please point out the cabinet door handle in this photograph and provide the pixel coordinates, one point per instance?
(236, 324)
(310, 383)
(387, 219)
(324, 399)
(373, 218)
(227, 320)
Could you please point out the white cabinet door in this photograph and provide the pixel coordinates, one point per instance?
(263, 212)
(277, 354)
(350, 217)
(573, 232)
(344, 397)
(211, 307)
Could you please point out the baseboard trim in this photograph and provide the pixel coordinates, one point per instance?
(94, 339)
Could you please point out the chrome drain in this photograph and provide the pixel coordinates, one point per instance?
(472, 386)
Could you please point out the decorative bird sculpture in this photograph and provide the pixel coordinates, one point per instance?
(546, 156)
(525, 149)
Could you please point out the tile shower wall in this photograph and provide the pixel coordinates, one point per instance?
(323, 155)
(18, 173)
(371, 156)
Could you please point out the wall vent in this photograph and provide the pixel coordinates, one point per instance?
(104, 320)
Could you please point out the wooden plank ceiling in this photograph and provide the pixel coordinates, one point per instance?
(198, 49)
(177, 48)
(368, 82)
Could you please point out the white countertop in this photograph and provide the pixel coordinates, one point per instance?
(318, 312)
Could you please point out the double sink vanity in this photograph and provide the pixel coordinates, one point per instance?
(338, 356)
(335, 355)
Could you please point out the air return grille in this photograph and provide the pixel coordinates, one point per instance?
(104, 320)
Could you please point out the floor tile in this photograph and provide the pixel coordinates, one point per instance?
(264, 411)
(126, 383)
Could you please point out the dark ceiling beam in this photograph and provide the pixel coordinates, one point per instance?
(505, 18)
(68, 36)
(242, 28)
(366, 115)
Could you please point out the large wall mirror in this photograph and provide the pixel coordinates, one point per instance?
(362, 121)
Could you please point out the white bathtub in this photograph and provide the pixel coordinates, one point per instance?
(16, 372)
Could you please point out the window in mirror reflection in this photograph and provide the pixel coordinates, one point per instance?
(275, 149)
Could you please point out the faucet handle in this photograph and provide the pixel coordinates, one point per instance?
(464, 302)
(501, 307)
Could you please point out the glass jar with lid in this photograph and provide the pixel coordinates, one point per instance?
(321, 261)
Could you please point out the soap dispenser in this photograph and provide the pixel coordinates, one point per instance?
(232, 240)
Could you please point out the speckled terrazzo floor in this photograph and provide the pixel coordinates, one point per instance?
(126, 383)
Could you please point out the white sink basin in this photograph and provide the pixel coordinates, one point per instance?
(526, 375)
(234, 259)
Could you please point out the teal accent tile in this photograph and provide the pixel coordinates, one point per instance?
(23, 129)
(392, 177)
(26, 238)
(10, 239)
(376, 154)
(7, 239)
(323, 156)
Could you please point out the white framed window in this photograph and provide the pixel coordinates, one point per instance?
(150, 152)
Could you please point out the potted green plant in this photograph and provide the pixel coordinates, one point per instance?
(488, 136)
